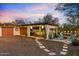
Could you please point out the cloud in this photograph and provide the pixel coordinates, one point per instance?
(42, 7)
(24, 15)
(6, 15)
(9, 15)
(38, 7)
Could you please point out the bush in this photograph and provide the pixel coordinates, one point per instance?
(50, 36)
(74, 41)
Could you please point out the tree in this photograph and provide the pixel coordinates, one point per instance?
(19, 21)
(71, 11)
(48, 19)
(69, 8)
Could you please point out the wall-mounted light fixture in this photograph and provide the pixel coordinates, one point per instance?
(75, 31)
(65, 31)
(42, 27)
(31, 27)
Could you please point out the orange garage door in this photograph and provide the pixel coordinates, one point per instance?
(7, 32)
(23, 31)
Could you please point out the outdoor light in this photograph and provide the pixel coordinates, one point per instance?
(31, 27)
(71, 31)
(42, 27)
(53, 31)
(64, 31)
(75, 31)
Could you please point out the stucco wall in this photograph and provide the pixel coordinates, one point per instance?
(28, 31)
(48, 27)
(0, 31)
(16, 31)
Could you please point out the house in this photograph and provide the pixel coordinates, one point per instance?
(37, 30)
(42, 30)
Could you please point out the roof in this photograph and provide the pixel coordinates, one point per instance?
(11, 25)
(39, 24)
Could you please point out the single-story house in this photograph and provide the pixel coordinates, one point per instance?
(38, 30)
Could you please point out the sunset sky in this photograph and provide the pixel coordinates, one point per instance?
(30, 11)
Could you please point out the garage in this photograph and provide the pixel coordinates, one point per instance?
(23, 31)
(7, 31)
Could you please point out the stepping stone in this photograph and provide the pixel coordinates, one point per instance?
(39, 44)
(36, 40)
(46, 50)
(64, 49)
(63, 53)
(52, 53)
(42, 47)
(65, 46)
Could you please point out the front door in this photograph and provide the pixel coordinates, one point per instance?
(23, 31)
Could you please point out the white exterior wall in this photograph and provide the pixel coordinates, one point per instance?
(16, 31)
(28, 31)
(48, 27)
(47, 32)
(0, 31)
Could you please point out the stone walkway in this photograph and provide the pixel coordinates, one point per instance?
(62, 52)
(44, 48)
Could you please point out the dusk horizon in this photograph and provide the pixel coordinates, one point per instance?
(29, 11)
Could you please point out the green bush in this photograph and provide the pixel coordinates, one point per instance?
(74, 41)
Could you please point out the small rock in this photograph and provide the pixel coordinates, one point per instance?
(46, 50)
(42, 47)
(63, 53)
(64, 49)
(39, 44)
(52, 53)
(65, 45)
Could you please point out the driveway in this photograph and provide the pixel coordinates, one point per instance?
(23, 46)
(20, 46)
